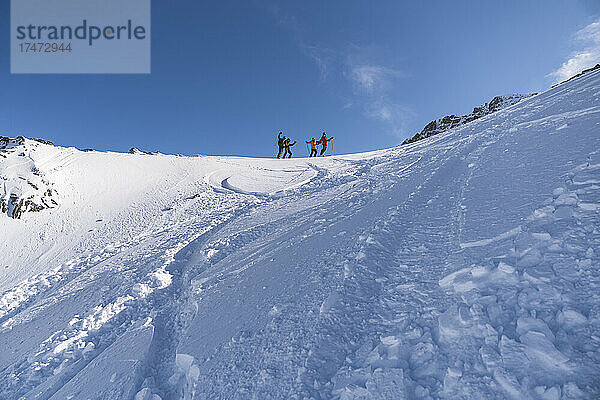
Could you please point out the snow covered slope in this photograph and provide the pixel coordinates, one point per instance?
(462, 266)
(448, 122)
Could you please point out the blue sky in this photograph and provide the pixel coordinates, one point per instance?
(227, 76)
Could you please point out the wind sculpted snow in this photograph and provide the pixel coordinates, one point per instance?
(462, 266)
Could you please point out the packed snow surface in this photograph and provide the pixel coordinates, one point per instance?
(464, 266)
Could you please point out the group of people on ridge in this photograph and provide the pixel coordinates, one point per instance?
(285, 145)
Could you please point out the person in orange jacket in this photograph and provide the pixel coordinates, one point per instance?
(324, 140)
(313, 147)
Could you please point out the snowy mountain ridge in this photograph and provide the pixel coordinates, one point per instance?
(448, 122)
(462, 266)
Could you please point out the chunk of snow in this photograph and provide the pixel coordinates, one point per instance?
(485, 242)
(570, 319)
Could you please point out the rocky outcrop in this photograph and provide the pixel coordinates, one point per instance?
(15, 206)
(8, 143)
(585, 71)
(25, 187)
(49, 143)
(135, 150)
(452, 121)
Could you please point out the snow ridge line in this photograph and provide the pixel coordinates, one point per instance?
(223, 185)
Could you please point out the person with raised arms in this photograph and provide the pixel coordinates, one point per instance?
(323, 141)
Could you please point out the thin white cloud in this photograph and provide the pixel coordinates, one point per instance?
(588, 54)
(382, 112)
(373, 88)
(395, 115)
(590, 32)
(371, 83)
(373, 77)
(322, 57)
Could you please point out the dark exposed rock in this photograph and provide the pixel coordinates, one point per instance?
(452, 121)
(49, 143)
(135, 150)
(17, 210)
(25, 191)
(585, 71)
(6, 142)
(497, 103)
(15, 206)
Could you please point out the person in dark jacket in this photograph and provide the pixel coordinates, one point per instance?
(313, 147)
(280, 141)
(287, 145)
(324, 140)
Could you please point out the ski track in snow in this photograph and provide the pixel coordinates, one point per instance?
(462, 266)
